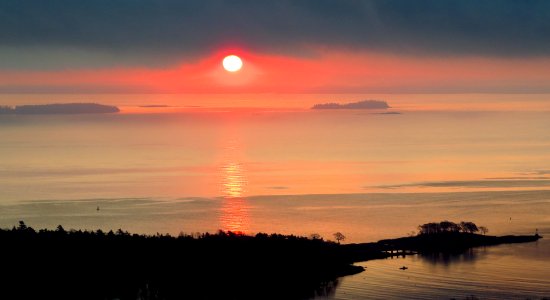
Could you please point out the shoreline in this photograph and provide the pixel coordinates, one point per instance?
(289, 266)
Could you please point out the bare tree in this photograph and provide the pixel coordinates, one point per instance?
(315, 236)
(339, 236)
(468, 227)
(483, 230)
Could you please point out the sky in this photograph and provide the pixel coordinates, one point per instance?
(308, 46)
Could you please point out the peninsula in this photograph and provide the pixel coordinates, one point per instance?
(120, 265)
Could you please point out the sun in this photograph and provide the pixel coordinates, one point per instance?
(232, 63)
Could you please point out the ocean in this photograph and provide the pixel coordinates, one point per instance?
(288, 169)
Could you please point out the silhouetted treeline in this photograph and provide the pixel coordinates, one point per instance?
(62, 108)
(76, 264)
(448, 226)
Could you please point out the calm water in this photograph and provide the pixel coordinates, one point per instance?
(245, 153)
(370, 176)
(502, 272)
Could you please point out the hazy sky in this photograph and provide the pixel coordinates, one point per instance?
(287, 46)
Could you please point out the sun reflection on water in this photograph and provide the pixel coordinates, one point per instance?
(234, 212)
(234, 182)
(234, 215)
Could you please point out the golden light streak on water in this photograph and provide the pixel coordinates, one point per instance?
(234, 182)
(234, 215)
(234, 212)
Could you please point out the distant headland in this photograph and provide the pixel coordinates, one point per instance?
(365, 104)
(59, 108)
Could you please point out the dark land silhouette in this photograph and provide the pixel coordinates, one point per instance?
(450, 237)
(61, 108)
(365, 104)
(76, 264)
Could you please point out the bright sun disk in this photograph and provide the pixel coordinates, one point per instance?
(232, 63)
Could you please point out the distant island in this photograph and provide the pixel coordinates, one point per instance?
(365, 104)
(120, 265)
(154, 105)
(59, 108)
(389, 113)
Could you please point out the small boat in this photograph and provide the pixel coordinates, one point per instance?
(403, 268)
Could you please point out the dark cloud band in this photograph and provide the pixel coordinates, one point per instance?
(169, 29)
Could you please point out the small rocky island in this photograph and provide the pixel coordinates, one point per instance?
(120, 265)
(365, 104)
(59, 108)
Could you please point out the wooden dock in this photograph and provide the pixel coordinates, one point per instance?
(391, 253)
